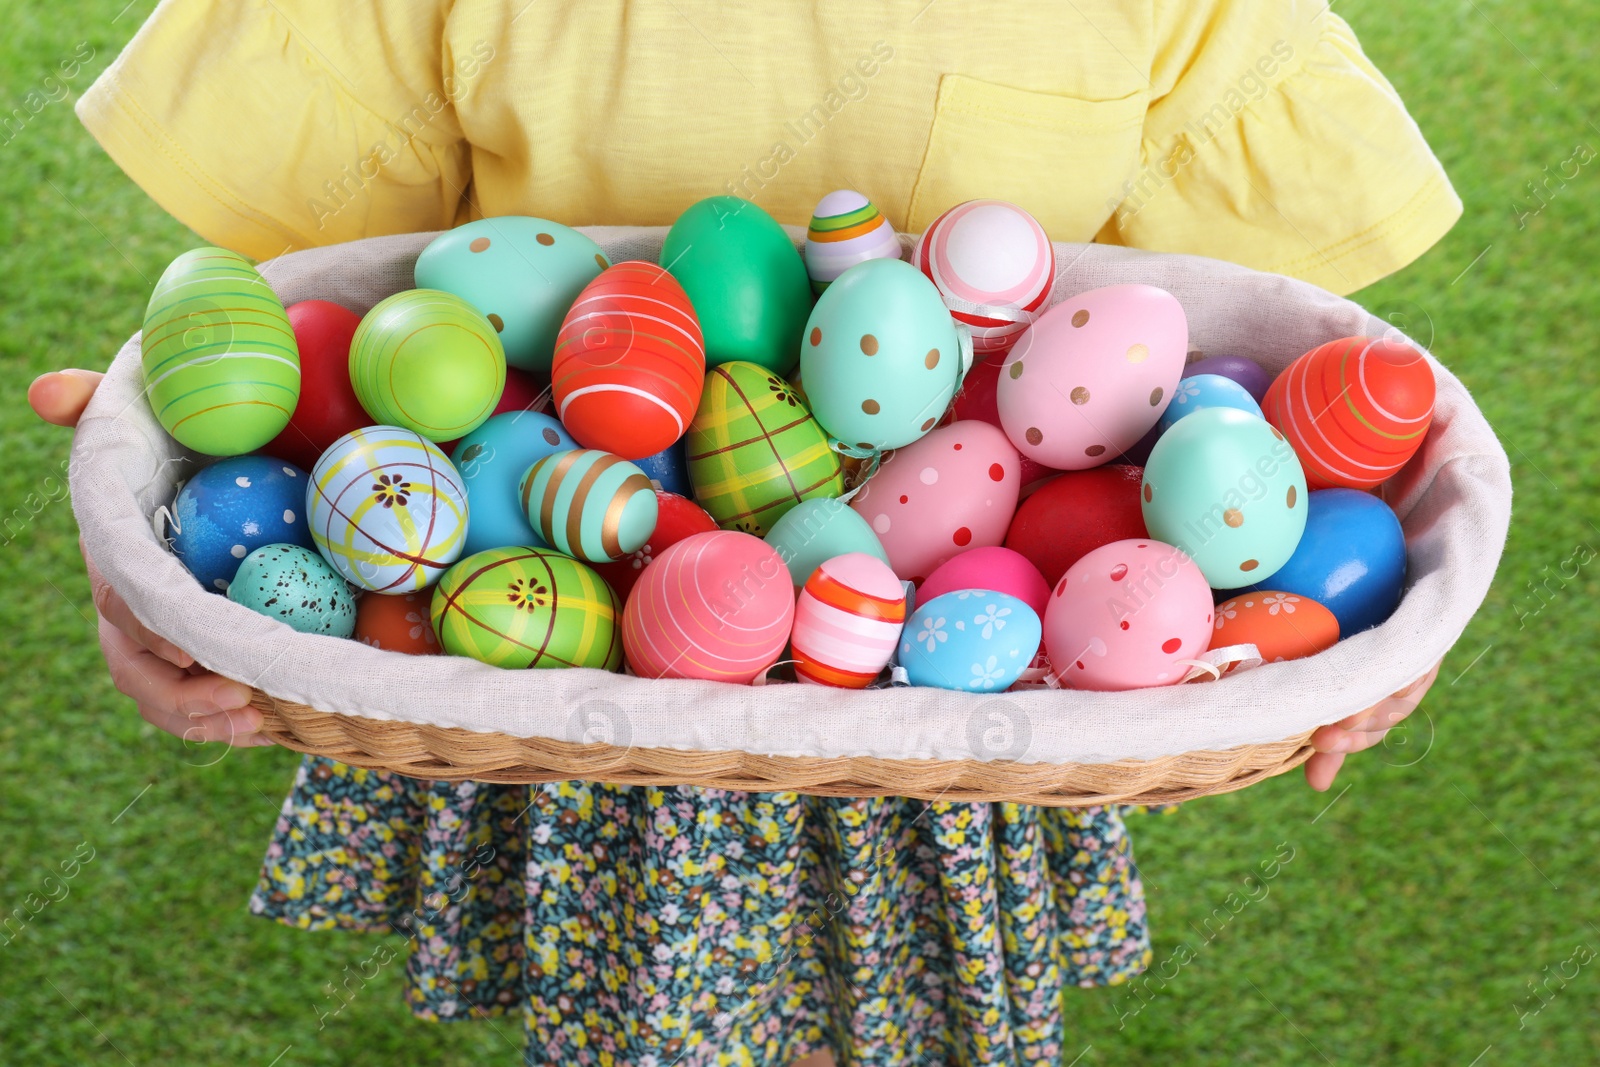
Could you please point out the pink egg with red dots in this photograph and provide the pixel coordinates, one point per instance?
(951, 491)
(1092, 375)
(990, 567)
(1127, 616)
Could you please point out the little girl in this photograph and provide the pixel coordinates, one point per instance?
(656, 926)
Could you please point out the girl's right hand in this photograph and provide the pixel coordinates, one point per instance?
(172, 692)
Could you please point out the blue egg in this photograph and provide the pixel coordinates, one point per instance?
(1247, 372)
(492, 460)
(233, 507)
(1200, 391)
(975, 640)
(1351, 559)
(668, 470)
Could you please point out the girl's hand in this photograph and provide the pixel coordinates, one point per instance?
(1361, 730)
(173, 692)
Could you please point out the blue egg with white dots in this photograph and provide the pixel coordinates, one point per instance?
(233, 507)
(668, 470)
(1201, 391)
(492, 460)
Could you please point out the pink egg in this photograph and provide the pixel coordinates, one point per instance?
(953, 490)
(999, 569)
(1088, 379)
(847, 621)
(993, 264)
(1125, 616)
(717, 606)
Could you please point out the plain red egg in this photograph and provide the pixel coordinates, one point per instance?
(328, 408)
(1075, 513)
(676, 518)
(397, 623)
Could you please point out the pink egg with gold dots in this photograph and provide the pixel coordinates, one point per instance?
(1090, 378)
(953, 490)
(846, 621)
(1127, 616)
(994, 266)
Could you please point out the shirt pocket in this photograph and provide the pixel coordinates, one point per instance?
(1063, 158)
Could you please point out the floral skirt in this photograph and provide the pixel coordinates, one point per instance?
(636, 925)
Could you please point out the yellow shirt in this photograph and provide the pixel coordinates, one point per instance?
(1251, 130)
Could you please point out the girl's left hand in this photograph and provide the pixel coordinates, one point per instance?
(1361, 730)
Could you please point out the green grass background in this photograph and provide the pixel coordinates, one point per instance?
(1407, 928)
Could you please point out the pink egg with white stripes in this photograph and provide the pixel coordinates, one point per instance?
(717, 606)
(993, 264)
(847, 621)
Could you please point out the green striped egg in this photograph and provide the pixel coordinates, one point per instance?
(528, 607)
(429, 361)
(590, 504)
(221, 368)
(754, 451)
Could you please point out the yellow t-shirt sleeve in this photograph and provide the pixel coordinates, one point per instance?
(272, 125)
(1274, 142)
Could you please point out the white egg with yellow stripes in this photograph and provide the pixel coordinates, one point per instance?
(387, 509)
(590, 504)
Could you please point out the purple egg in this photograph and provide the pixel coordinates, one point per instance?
(1247, 372)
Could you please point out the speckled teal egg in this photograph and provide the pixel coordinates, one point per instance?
(881, 358)
(297, 587)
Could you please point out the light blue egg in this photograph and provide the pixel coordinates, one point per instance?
(975, 640)
(1200, 391)
(814, 531)
(233, 507)
(668, 470)
(297, 587)
(492, 460)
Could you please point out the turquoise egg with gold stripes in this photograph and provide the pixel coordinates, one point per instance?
(387, 509)
(221, 367)
(590, 504)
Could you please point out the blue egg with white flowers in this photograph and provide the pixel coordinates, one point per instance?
(233, 507)
(1200, 391)
(492, 460)
(668, 470)
(973, 640)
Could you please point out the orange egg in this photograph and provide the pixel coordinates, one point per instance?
(398, 623)
(1282, 626)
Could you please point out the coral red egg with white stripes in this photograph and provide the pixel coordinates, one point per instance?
(993, 264)
(1355, 410)
(847, 621)
(630, 362)
(716, 606)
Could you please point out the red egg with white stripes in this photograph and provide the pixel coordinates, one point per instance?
(1354, 410)
(846, 622)
(993, 264)
(629, 363)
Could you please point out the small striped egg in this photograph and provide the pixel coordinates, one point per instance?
(630, 362)
(846, 621)
(589, 504)
(994, 266)
(846, 229)
(387, 509)
(221, 366)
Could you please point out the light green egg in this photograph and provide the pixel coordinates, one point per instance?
(881, 358)
(1226, 488)
(589, 504)
(522, 273)
(221, 367)
(815, 531)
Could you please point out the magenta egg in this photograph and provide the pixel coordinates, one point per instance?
(990, 567)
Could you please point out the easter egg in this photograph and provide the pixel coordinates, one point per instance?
(589, 504)
(1200, 391)
(428, 361)
(745, 280)
(221, 367)
(846, 229)
(716, 606)
(1351, 559)
(990, 567)
(524, 391)
(527, 608)
(1355, 410)
(846, 622)
(297, 587)
(521, 273)
(954, 490)
(1225, 487)
(676, 518)
(1075, 513)
(754, 451)
(492, 460)
(1282, 626)
(327, 408)
(397, 623)
(1092, 375)
(817, 530)
(1125, 616)
(629, 362)
(976, 400)
(993, 264)
(1247, 372)
(668, 470)
(881, 358)
(233, 507)
(387, 509)
(976, 640)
